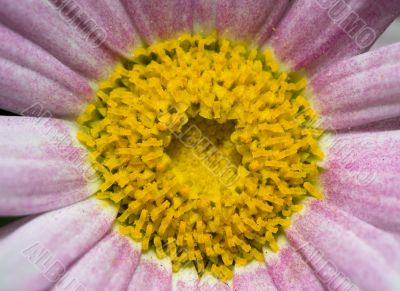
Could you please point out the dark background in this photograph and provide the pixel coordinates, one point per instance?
(6, 220)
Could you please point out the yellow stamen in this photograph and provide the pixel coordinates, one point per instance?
(206, 147)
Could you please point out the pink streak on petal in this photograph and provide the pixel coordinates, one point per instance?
(186, 286)
(40, 22)
(367, 256)
(20, 88)
(36, 255)
(382, 125)
(151, 275)
(359, 90)
(155, 19)
(204, 16)
(309, 37)
(272, 21)
(244, 19)
(362, 176)
(185, 280)
(112, 17)
(43, 166)
(352, 118)
(290, 272)
(21, 51)
(109, 265)
(253, 279)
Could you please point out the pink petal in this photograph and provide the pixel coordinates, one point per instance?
(21, 51)
(185, 280)
(43, 166)
(36, 255)
(152, 274)
(204, 16)
(48, 26)
(21, 88)
(344, 250)
(289, 271)
(156, 19)
(362, 176)
(109, 265)
(244, 19)
(252, 277)
(112, 18)
(314, 33)
(359, 90)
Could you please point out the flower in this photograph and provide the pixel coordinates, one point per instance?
(56, 54)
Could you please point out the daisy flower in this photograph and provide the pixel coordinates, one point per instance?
(199, 145)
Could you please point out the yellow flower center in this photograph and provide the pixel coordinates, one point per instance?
(207, 148)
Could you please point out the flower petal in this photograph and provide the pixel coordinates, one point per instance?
(244, 19)
(185, 280)
(111, 17)
(43, 166)
(204, 16)
(314, 33)
(289, 271)
(36, 255)
(152, 274)
(20, 88)
(253, 276)
(359, 90)
(209, 282)
(362, 176)
(47, 26)
(155, 19)
(344, 250)
(109, 265)
(21, 51)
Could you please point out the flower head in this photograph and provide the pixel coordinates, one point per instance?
(199, 145)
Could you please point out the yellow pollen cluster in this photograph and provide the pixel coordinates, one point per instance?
(206, 147)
